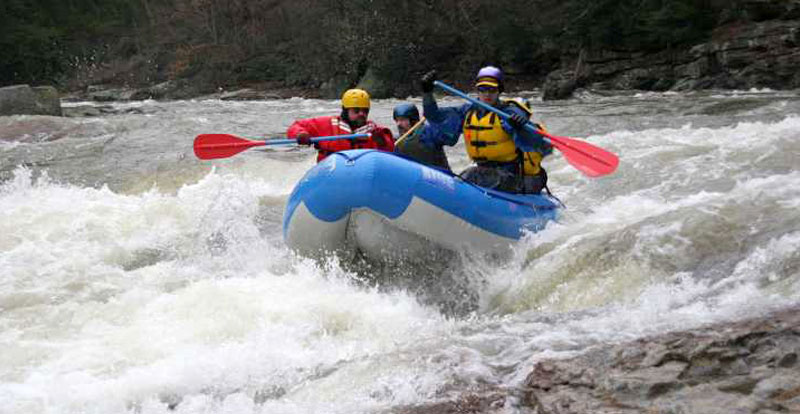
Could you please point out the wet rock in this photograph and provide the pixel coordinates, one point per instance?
(24, 100)
(490, 403)
(788, 360)
(559, 85)
(47, 100)
(738, 367)
(80, 111)
(162, 89)
(377, 87)
(248, 94)
(333, 88)
(241, 95)
(100, 93)
(17, 100)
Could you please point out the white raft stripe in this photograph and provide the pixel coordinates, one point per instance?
(311, 236)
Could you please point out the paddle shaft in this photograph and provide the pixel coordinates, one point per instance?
(213, 146)
(528, 126)
(319, 139)
(410, 131)
(589, 159)
(248, 144)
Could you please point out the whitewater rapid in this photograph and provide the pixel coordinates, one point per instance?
(135, 278)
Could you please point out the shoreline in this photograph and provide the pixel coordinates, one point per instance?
(738, 56)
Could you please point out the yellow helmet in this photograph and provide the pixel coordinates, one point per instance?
(355, 98)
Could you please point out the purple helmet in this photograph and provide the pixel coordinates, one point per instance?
(489, 76)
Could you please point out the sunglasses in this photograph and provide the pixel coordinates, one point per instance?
(487, 89)
(364, 110)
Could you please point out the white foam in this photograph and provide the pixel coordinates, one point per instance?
(130, 302)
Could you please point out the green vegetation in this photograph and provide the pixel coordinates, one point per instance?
(327, 43)
(42, 40)
(642, 24)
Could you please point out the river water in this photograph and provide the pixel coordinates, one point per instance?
(136, 278)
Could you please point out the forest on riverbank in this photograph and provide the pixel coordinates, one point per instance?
(332, 44)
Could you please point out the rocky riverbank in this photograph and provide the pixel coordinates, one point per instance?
(759, 50)
(763, 52)
(739, 56)
(740, 367)
(185, 89)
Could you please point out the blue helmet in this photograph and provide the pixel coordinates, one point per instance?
(490, 76)
(407, 111)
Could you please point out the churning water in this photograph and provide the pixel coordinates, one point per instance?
(135, 278)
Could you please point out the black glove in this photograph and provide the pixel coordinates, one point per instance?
(304, 139)
(378, 137)
(517, 121)
(426, 81)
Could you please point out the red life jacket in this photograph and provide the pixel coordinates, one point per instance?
(380, 136)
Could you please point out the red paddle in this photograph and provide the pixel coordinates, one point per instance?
(213, 146)
(587, 158)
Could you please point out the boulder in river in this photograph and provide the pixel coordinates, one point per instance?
(25, 100)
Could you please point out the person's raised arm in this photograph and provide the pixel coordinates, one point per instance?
(429, 106)
(444, 123)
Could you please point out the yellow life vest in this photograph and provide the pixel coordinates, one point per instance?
(486, 140)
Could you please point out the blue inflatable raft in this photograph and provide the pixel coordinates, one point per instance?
(386, 206)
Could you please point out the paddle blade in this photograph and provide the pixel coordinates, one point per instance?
(589, 159)
(213, 146)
